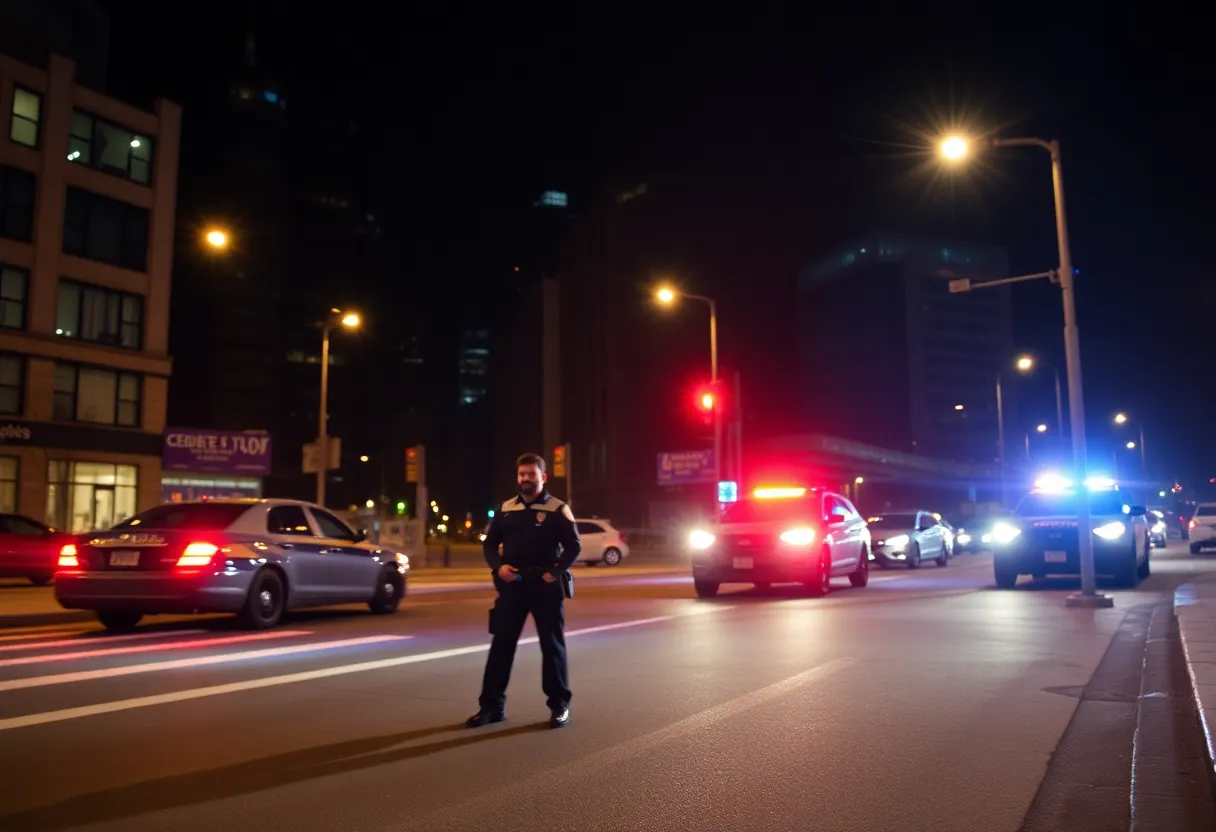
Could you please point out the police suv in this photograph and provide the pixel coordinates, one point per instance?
(1041, 538)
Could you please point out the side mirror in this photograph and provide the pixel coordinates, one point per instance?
(360, 535)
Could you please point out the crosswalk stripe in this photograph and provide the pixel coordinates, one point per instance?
(144, 648)
(83, 639)
(178, 664)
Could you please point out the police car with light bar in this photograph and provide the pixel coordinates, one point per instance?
(255, 558)
(782, 534)
(1042, 537)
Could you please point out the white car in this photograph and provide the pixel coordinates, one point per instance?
(601, 542)
(909, 537)
(1203, 527)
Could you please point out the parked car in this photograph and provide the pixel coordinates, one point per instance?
(602, 542)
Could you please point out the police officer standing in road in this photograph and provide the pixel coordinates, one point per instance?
(532, 575)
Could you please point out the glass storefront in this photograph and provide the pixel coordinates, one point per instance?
(8, 484)
(86, 496)
(177, 489)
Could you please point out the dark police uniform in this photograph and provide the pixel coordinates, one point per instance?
(530, 535)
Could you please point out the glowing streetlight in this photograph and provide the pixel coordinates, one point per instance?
(954, 148)
(1042, 428)
(363, 458)
(859, 480)
(1025, 363)
(959, 407)
(665, 295)
(1131, 446)
(370, 504)
(1120, 418)
(350, 320)
(216, 238)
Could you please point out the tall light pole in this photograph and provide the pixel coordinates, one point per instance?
(350, 320)
(667, 296)
(956, 148)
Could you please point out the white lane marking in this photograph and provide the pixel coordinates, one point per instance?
(178, 664)
(49, 629)
(273, 681)
(31, 636)
(170, 645)
(619, 756)
(80, 641)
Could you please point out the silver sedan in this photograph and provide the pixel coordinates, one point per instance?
(255, 558)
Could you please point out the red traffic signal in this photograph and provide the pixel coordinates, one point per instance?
(706, 399)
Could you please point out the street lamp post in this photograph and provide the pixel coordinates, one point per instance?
(667, 296)
(1026, 364)
(351, 321)
(1121, 419)
(956, 148)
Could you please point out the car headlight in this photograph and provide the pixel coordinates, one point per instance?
(963, 539)
(700, 539)
(897, 542)
(798, 537)
(1005, 532)
(1111, 531)
(1159, 526)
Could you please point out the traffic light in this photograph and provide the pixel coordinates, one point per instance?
(706, 401)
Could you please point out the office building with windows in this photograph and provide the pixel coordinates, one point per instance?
(920, 362)
(87, 194)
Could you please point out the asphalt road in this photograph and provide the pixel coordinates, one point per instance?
(918, 703)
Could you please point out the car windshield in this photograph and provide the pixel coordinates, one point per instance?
(209, 516)
(1065, 504)
(892, 521)
(774, 511)
(1205, 511)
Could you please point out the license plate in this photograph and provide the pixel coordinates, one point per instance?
(1056, 557)
(124, 559)
(743, 563)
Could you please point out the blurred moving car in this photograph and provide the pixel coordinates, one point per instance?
(1158, 530)
(255, 558)
(29, 549)
(907, 537)
(782, 535)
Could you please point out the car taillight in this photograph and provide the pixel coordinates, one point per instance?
(68, 558)
(197, 554)
(624, 538)
(1192, 525)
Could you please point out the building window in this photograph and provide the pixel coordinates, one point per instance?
(105, 229)
(91, 394)
(27, 117)
(12, 383)
(103, 316)
(87, 496)
(16, 203)
(554, 199)
(110, 148)
(14, 288)
(8, 484)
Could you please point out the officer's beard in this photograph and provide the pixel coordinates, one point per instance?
(529, 489)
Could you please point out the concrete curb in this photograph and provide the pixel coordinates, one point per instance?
(1195, 609)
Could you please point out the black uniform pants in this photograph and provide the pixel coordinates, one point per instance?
(544, 600)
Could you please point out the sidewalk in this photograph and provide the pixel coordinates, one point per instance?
(1195, 609)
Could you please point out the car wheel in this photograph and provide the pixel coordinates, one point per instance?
(388, 593)
(119, 621)
(914, 556)
(612, 556)
(43, 579)
(860, 576)
(821, 582)
(1145, 569)
(943, 558)
(266, 602)
(1006, 576)
(705, 589)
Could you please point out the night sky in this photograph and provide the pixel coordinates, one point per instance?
(805, 130)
